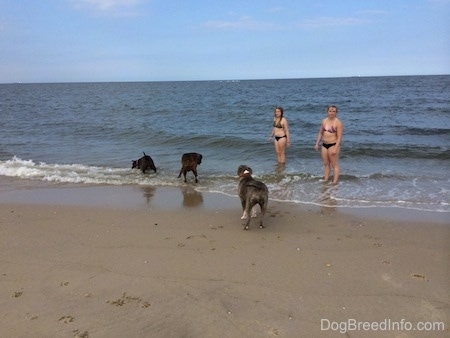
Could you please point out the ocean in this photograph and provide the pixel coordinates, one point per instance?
(395, 149)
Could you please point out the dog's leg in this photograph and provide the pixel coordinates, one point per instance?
(247, 225)
(195, 174)
(244, 215)
(263, 205)
(248, 206)
(254, 214)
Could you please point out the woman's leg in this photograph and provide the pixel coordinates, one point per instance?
(334, 160)
(326, 163)
(280, 147)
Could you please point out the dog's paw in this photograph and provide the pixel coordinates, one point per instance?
(244, 215)
(245, 227)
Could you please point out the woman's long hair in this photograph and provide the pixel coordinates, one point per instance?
(281, 109)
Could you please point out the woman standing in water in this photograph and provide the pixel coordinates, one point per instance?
(330, 132)
(281, 133)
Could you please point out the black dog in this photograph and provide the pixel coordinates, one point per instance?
(144, 163)
(251, 192)
(189, 162)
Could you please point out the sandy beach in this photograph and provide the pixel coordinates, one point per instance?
(167, 262)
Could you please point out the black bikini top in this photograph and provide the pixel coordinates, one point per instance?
(277, 124)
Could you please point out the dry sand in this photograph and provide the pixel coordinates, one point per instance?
(167, 262)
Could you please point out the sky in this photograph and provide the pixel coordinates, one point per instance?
(183, 40)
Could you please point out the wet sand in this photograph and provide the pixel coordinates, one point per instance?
(169, 262)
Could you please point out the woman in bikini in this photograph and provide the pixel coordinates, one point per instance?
(330, 132)
(281, 133)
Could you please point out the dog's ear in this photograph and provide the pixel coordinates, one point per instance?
(241, 169)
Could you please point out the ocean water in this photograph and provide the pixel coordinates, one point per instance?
(395, 150)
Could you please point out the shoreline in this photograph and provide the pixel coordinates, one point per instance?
(184, 196)
(166, 262)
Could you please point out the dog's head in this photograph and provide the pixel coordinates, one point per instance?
(137, 163)
(244, 171)
(199, 158)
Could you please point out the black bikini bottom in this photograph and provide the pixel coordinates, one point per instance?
(278, 137)
(328, 145)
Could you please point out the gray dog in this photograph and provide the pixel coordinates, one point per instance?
(251, 192)
(189, 162)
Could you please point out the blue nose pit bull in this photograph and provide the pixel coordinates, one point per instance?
(251, 192)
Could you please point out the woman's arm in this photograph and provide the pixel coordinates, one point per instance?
(273, 133)
(339, 134)
(319, 136)
(286, 131)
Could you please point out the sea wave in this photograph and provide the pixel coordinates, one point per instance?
(376, 189)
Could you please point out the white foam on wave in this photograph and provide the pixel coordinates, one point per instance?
(67, 173)
(297, 188)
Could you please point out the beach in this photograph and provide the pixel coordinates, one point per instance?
(172, 262)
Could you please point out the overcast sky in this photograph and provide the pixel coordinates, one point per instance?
(165, 40)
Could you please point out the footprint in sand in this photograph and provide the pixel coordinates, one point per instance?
(66, 319)
(79, 334)
(17, 294)
(419, 276)
(128, 299)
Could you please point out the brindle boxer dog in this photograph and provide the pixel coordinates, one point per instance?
(251, 192)
(144, 163)
(189, 162)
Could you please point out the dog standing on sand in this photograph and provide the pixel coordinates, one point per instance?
(189, 162)
(251, 192)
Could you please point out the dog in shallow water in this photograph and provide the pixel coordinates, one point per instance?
(251, 192)
(144, 163)
(189, 162)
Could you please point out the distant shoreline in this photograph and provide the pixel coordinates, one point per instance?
(220, 80)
